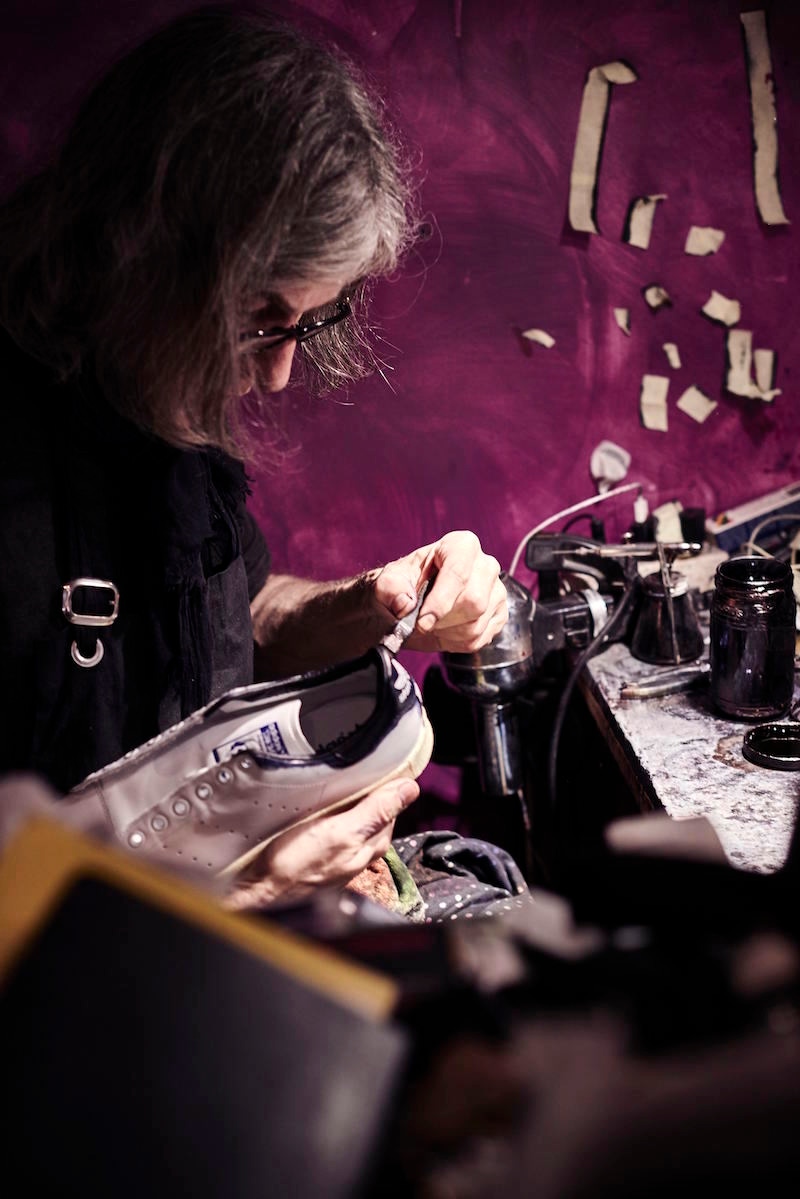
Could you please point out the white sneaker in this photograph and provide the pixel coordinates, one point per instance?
(213, 790)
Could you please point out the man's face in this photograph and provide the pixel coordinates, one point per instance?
(281, 308)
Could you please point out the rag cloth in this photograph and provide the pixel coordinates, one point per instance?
(437, 876)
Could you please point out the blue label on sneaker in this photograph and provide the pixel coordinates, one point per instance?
(266, 741)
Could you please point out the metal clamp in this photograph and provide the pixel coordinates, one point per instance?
(87, 619)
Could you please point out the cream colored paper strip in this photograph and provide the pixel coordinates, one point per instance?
(740, 381)
(696, 403)
(640, 221)
(702, 240)
(589, 140)
(653, 402)
(673, 355)
(762, 108)
(623, 318)
(719, 308)
(540, 336)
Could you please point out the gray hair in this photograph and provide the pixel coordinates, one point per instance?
(225, 154)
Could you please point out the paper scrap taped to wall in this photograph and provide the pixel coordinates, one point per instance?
(623, 318)
(656, 296)
(741, 363)
(667, 519)
(702, 240)
(722, 310)
(764, 117)
(639, 224)
(673, 355)
(764, 370)
(695, 403)
(540, 336)
(653, 402)
(608, 464)
(588, 142)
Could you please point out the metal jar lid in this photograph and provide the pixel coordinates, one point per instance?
(774, 745)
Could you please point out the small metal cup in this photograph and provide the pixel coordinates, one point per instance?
(667, 631)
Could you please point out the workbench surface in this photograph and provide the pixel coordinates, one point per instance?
(678, 755)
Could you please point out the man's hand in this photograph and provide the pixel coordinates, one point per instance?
(302, 625)
(466, 606)
(325, 851)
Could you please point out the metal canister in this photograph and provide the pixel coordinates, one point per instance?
(492, 678)
(753, 631)
(667, 629)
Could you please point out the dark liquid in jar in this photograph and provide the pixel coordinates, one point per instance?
(752, 639)
(751, 677)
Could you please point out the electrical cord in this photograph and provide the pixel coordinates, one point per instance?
(587, 503)
(750, 546)
(612, 623)
(575, 519)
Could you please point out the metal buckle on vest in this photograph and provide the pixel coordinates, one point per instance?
(88, 619)
(85, 618)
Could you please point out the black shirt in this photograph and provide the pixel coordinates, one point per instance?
(85, 493)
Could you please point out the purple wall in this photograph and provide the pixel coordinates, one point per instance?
(481, 429)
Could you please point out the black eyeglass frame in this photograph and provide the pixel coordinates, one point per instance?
(267, 338)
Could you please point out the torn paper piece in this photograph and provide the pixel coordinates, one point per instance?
(623, 318)
(656, 296)
(764, 118)
(667, 519)
(739, 381)
(608, 464)
(673, 356)
(740, 360)
(702, 239)
(653, 402)
(764, 370)
(696, 404)
(639, 222)
(719, 308)
(589, 140)
(540, 337)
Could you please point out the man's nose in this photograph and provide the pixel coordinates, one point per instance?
(277, 365)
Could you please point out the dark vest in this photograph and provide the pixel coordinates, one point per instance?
(83, 493)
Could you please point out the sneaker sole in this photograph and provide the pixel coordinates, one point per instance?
(413, 766)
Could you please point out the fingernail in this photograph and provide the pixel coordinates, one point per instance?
(402, 603)
(426, 622)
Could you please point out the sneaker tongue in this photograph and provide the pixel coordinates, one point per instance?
(276, 735)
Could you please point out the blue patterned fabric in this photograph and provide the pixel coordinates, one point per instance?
(461, 876)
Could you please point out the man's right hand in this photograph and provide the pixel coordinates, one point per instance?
(325, 851)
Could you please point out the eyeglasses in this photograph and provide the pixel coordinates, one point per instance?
(264, 339)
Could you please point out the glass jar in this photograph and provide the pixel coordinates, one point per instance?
(753, 630)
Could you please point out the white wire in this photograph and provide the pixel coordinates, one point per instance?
(594, 499)
(782, 518)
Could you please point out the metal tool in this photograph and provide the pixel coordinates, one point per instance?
(632, 549)
(666, 682)
(404, 628)
(492, 678)
(540, 632)
(666, 579)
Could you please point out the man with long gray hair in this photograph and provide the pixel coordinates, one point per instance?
(219, 207)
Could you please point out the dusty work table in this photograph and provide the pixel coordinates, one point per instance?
(679, 756)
